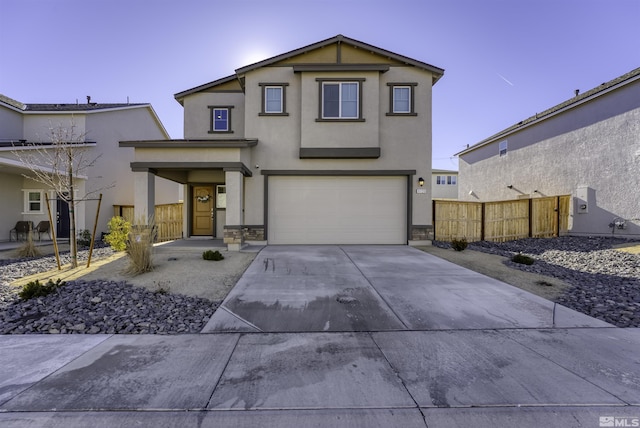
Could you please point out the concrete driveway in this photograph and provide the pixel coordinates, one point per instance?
(340, 336)
(377, 288)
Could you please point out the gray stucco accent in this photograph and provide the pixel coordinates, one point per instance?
(347, 172)
(226, 166)
(340, 67)
(339, 152)
(227, 143)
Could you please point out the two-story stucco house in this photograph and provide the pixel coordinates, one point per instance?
(587, 147)
(326, 144)
(100, 127)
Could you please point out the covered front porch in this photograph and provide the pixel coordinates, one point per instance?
(213, 174)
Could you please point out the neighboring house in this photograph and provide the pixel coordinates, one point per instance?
(587, 147)
(23, 126)
(321, 145)
(444, 184)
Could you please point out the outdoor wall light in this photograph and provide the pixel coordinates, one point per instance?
(421, 181)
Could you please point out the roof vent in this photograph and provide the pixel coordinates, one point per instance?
(577, 91)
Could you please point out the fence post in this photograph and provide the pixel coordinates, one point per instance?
(530, 218)
(433, 217)
(482, 219)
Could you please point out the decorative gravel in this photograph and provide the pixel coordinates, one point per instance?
(604, 283)
(98, 306)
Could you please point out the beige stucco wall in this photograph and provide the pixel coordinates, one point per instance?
(591, 150)
(444, 191)
(197, 115)
(38, 127)
(405, 142)
(10, 124)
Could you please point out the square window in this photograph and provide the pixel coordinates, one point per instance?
(402, 99)
(340, 100)
(273, 99)
(220, 119)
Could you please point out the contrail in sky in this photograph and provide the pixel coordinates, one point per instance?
(505, 79)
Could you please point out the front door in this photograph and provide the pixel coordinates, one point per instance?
(63, 226)
(203, 202)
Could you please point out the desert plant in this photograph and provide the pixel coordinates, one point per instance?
(29, 249)
(212, 255)
(459, 244)
(522, 259)
(35, 289)
(140, 246)
(118, 234)
(84, 238)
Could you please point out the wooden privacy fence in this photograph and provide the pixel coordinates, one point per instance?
(167, 217)
(501, 220)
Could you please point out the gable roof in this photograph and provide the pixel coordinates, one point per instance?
(604, 88)
(51, 107)
(339, 40)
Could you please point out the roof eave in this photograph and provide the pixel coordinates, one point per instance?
(585, 97)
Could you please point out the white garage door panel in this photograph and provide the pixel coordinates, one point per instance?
(337, 210)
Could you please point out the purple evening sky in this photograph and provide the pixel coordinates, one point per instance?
(504, 60)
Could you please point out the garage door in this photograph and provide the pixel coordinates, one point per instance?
(337, 210)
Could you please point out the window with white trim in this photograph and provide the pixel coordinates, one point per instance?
(273, 99)
(402, 99)
(502, 148)
(340, 100)
(444, 180)
(33, 201)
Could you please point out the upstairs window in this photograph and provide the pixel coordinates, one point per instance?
(340, 100)
(220, 119)
(274, 99)
(401, 99)
(502, 148)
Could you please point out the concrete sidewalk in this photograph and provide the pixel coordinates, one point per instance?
(411, 341)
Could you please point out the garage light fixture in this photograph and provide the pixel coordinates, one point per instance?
(421, 181)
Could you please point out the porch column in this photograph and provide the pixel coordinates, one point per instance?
(144, 195)
(234, 181)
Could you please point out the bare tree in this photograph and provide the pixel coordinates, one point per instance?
(57, 164)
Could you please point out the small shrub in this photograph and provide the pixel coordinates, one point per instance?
(459, 244)
(212, 255)
(118, 234)
(35, 289)
(162, 287)
(522, 259)
(84, 238)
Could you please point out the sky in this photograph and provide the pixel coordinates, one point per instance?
(504, 60)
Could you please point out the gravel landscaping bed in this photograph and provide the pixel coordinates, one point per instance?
(604, 282)
(97, 306)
